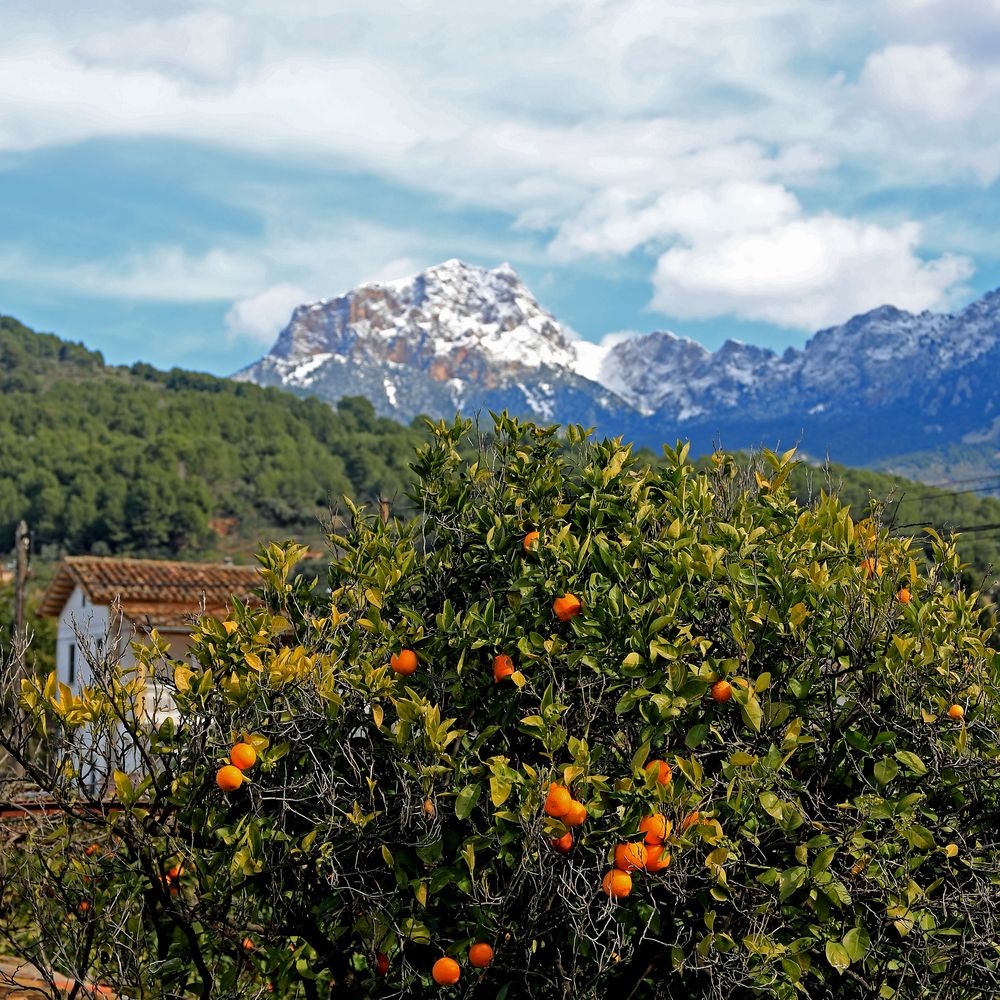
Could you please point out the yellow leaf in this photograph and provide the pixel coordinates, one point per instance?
(518, 678)
(421, 893)
(377, 715)
(798, 613)
(951, 850)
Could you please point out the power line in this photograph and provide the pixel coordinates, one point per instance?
(953, 493)
(957, 530)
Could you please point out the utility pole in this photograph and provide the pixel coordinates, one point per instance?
(22, 545)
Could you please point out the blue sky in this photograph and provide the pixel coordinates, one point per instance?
(175, 177)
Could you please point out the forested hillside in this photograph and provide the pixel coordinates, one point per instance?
(140, 461)
(133, 460)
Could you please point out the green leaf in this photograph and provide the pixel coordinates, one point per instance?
(466, 801)
(857, 943)
(911, 761)
(823, 861)
(918, 837)
(885, 770)
(753, 714)
(696, 735)
(123, 788)
(837, 955)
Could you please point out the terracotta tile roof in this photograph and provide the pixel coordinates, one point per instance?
(165, 593)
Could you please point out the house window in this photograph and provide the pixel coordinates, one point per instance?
(71, 672)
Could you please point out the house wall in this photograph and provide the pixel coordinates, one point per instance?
(94, 620)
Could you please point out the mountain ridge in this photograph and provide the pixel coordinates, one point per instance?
(459, 337)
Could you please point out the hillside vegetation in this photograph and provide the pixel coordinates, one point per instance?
(140, 461)
(137, 461)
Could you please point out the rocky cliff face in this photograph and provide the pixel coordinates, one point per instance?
(461, 338)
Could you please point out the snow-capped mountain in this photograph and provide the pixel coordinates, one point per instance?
(457, 337)
(453, 337)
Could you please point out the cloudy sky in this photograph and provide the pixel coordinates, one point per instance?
(174, 177)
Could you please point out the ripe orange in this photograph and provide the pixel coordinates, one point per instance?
(229, 778)
(566, 607)
(248, 944)
(446, 971)
(691, 820)
(656, 828)
(84, 906)
(558, 801)
(872, 567)
(382, 964)
(243, 755)
(629, 857)
(576, 815)
(91, 851)
(657, 858)
(664, 773)
(956, 712)
(904, 595)
(530, 541)
(722, 691)
(404, 662)
(480, 955)
(617, 884)
(503, 667)
(176, 872)
(563, 844)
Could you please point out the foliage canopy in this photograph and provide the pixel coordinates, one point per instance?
(844, 840)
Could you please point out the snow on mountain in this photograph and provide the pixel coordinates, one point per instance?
(458, 337)
(451, 337)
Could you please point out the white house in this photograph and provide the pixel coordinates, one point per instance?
(150, 593)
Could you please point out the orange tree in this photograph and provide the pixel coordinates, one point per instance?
(502, 726)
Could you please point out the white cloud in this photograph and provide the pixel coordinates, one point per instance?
(805, 273)
(681, 130)
(261, 317)
(201, 44)
(920, 81)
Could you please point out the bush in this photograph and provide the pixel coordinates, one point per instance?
(831, 826)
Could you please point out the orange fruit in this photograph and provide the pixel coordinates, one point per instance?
(656, 828)
(691, 820)
(229, 778)
(904, 595)
(956, 712)
(530, 541)
(558, 801)
(404, 662)
(722, 691)
(176, 872)
(247, 944)
(575, 815)
(617, 884)
(664, 773)
(243, 756)
(563, 844)
(566, 607)
(503, 667)
(480, 955)
(91, 851)
(84, 906)
(382, 964)
(446, 971)
(629, 857)
(429, 808)
(657, 858)
(872, 567)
